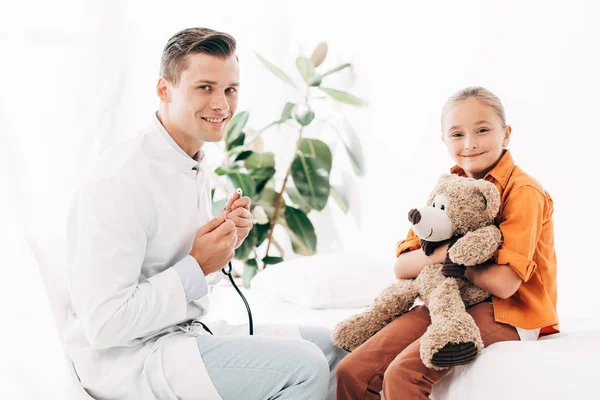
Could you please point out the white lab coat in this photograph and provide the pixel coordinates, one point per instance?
(130, 223)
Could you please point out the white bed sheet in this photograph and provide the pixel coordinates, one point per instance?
(561, 366)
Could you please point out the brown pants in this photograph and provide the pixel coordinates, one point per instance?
(391, 359)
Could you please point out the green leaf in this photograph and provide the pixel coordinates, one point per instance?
(310, 172)
(269, 260)
(305, 118)
(319, 54)
(262, 176)
(306, 68)
(220, 171)
(238, 142)
(250, 270)
(235, 127)
(260, 160)
(343, 97)
(336, 69)
(298, 200)
(317, 148)
(287, 112)
(276, 70)
(353, 147)
(243, 155)
(267, 199)
(242, 252)
(243, 181)
(300, 248)
(217, 206)
(302, 228)
(340, 198)
(262, 231)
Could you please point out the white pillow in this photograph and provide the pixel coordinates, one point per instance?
(334, 280)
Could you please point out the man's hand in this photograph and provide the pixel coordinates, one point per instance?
(214, 244)
(238, 211)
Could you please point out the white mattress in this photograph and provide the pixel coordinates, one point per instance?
(562, 366)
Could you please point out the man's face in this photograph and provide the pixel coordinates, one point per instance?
(202, 103)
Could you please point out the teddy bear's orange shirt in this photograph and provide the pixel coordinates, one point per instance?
(525, 219)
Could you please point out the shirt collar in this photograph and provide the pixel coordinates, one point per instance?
(501, 172)
(193, 163)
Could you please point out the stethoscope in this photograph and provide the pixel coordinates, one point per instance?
(227, 271)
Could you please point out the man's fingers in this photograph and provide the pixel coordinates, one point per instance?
(243, 202)
(212, 224)
(242, 222)
(226, 228)
(234, 197)
(240, 213)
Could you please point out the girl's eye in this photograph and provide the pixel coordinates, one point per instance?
(483, 130)
(456, 134)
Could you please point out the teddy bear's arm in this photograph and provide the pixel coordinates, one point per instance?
(476, 247)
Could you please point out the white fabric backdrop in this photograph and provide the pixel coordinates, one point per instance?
(79, 75)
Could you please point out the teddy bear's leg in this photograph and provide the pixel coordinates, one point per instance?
(453, 338)
(393, 301)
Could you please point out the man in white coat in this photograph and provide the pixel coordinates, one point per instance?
(142, 248)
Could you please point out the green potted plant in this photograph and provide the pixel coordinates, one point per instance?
(305, 187)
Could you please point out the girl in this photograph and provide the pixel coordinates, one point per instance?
(521, 278)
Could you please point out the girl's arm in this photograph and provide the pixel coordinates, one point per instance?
(409, 264)
(500, 280)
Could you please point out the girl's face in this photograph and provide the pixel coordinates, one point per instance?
(474, 136)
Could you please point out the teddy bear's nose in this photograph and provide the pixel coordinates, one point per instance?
(414, 216)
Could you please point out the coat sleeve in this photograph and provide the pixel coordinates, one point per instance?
(412, 242)
(523, 217)
(106, 234)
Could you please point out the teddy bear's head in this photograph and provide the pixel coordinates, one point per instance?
(456, 206)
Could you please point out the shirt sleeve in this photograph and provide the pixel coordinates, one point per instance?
(412, 242)
(106, 248)
(521, 226)
(192, 278)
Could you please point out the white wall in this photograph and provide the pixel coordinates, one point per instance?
(76, 76)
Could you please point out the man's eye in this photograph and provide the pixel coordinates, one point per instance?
(230, 90)
(204, 87)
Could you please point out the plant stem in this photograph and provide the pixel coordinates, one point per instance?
(280, 197)
(287, 175)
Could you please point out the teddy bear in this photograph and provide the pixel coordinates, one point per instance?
(460, 211)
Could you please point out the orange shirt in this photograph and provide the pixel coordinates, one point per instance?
(525, 219)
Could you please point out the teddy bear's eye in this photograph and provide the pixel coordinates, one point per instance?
(433, 205)
(442, 207)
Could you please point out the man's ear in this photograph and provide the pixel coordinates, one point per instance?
(507, 133)
(162, 89)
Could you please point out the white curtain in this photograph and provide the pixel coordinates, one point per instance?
(77, 76)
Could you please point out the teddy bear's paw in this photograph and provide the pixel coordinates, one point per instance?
(353, 332)
(453, 354)
(452, 340)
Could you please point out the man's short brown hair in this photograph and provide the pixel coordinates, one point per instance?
(190, 41)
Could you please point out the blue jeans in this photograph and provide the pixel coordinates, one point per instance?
(268, 367)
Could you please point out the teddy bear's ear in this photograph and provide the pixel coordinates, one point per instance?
(492, 197)
(442, 185)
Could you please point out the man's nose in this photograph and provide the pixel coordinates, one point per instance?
(219, 102)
